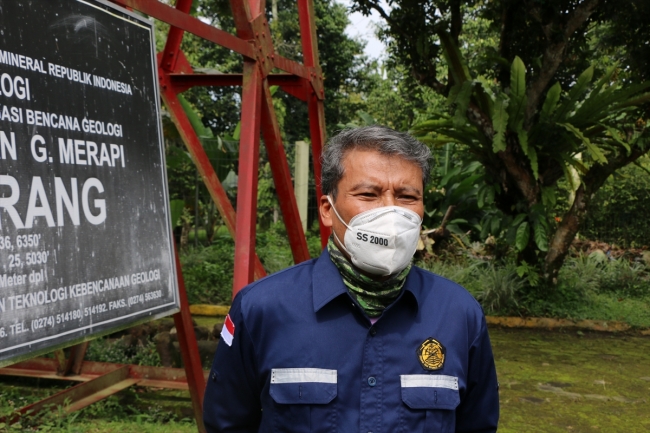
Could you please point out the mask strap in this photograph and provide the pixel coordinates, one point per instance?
(341, 244)
(337, 214)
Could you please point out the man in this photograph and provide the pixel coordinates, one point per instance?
(358, 340)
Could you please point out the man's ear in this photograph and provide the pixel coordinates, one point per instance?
(326, 212)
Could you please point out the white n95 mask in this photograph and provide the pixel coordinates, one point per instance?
(381, 241)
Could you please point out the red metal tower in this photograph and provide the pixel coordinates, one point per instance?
(303, 81)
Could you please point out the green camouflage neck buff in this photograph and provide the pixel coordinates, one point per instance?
(373, 296)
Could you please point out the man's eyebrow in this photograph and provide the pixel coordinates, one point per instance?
(407, 188)
(365, 185)
(375, 186)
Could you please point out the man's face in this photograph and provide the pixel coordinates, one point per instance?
(371, 180)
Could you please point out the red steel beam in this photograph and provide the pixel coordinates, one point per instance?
(202, 162)
(307, 18)
(174, 39)
(81, 395)
(183, 82)
(190, 24)
(243, 15)
(282, 178)
(249, 147)
(189, 349)
(316, 107)
(183, 21)
(291, 67)
(76, 358)
(317, 128)
(46, 368)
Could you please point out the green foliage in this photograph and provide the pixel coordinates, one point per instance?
(208, 272)
(588, 288)
(396, 99)
(457, 187)
(496, 286)
(274, 250)
(501, 287)
(104, 350)
(619, 213)
(580, 140)
(525, 104)
(176, 207)
(135, 409)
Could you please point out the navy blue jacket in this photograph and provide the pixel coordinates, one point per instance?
(305, 358)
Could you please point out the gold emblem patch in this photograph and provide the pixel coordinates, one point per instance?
(431, 354)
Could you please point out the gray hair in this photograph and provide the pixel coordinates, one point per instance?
(379, 138)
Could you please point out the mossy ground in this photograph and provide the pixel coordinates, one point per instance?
(550, 382)
(572, 382)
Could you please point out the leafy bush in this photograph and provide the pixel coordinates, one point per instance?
(274, 249)
(496, 286)
(585, 274)
(208, 272)
(501, 287)
(588, 288)
(103, 350)
(619, 211)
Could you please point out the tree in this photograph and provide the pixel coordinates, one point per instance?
(525, 103)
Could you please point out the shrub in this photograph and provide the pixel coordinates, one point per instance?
(104, 350)
(208, 272)
(496, 286)
(501, 287)
(619, 209)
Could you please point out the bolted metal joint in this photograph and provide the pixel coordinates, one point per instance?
(263, 45)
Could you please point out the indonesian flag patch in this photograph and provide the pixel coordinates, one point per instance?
(228, 330)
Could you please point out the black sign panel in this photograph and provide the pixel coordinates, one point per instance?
(85, 239)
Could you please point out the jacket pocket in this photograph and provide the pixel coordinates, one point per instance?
(430, 402)
(303, 399)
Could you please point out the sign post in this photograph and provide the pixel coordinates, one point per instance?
(85, 243)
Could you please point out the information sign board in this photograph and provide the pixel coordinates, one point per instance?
(85, 237)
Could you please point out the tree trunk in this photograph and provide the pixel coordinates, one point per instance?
(564, 235)
(572, 220)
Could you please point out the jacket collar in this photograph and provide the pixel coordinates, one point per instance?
(327, 283)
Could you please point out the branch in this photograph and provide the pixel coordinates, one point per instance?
(456, 20)
(641, 167)
(384, 15)
(554, 52)
(481, 120)
(429, 81)
(519, 172)
(507, 20)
